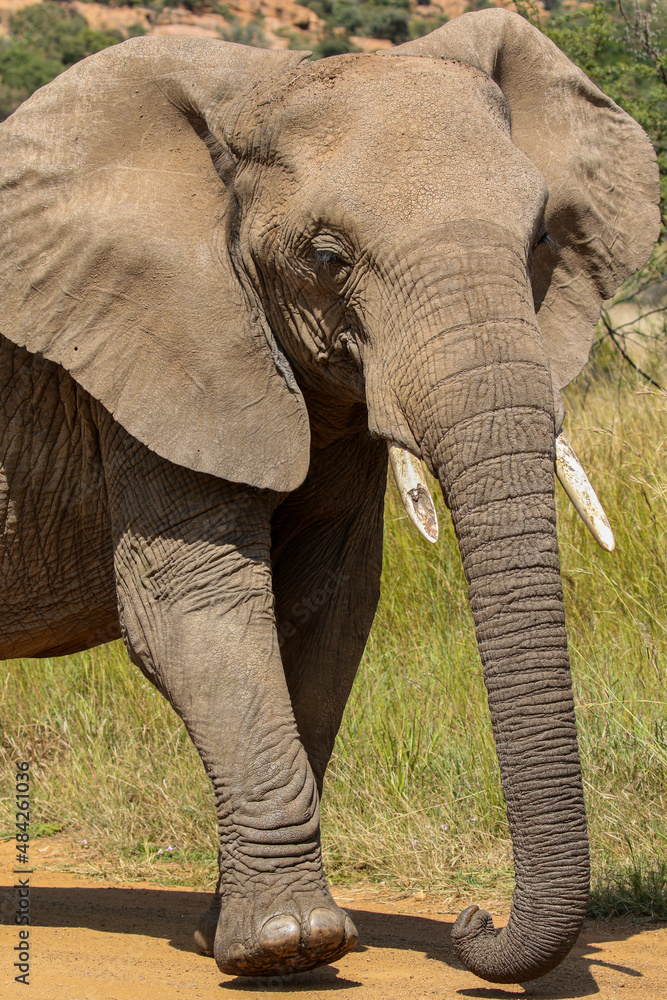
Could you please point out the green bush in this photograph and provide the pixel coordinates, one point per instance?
(387, 22)
(24, 69)
(245, 34)
(373, 20)
(58, 33)
(390, 19)
(332, 45)
(45, 39)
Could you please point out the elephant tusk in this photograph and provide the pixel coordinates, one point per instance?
(415, 494)
(575, 482)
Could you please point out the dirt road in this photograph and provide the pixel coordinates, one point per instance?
(92, 940)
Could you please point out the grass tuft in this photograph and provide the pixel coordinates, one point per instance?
(637, 889)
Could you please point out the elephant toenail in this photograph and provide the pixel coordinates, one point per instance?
(235, 959)
(203, 942)
(326, 928)
(280, 935)
(351, 933)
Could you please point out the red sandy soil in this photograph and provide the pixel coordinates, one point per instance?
(100, 940)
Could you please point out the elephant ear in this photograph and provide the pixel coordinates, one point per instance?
(114, 259)
(602, 214)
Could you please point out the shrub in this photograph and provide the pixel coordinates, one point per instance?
(45, 39)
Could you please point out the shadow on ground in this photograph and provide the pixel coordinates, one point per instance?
(173, 915)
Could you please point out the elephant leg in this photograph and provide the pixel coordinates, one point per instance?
(192, 558)
(327, 562)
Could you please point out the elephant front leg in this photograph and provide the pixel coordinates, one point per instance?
(272, 911)
(192, 558)
(327, 561)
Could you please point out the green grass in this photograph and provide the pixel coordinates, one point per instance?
(635, 889)
(413, 797)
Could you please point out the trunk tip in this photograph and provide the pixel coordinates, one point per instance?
(472, 926)
(497, 955)
(464, 918)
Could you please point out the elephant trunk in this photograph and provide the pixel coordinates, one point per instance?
(488, 432)
(504, 517)
(496, 470)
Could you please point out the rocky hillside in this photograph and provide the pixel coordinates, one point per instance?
(272, 24)
(41, 38)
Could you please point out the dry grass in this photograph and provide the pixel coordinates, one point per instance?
(413, 797)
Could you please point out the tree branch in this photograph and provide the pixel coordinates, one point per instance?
(619, 347)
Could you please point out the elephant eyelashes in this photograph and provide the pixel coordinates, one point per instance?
(542, 236)
(334, 266)
(327, 257)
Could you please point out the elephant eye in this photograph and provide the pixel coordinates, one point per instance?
(327, 257)
(542, 236)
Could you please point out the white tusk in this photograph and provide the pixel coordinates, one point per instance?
(575, 482)
(415, 494)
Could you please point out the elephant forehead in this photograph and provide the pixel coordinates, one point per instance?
(415, 97)
(412, 140)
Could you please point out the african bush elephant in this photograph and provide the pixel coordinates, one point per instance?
(229, 279)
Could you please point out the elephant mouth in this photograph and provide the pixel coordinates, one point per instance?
(419, 506)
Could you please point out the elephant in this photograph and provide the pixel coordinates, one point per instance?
(233, 281)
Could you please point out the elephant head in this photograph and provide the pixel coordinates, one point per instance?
(202, 234)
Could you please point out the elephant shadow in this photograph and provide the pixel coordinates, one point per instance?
(172, 914)
(572, 978)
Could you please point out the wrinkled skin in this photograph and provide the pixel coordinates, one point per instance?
(383, 258)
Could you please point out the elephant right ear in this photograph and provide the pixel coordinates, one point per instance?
(601, 170)
(114, 260)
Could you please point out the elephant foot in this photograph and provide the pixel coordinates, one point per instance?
(297, 939)
(208, 925)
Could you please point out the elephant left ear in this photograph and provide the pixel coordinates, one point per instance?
(602, 216)
(114, 258)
